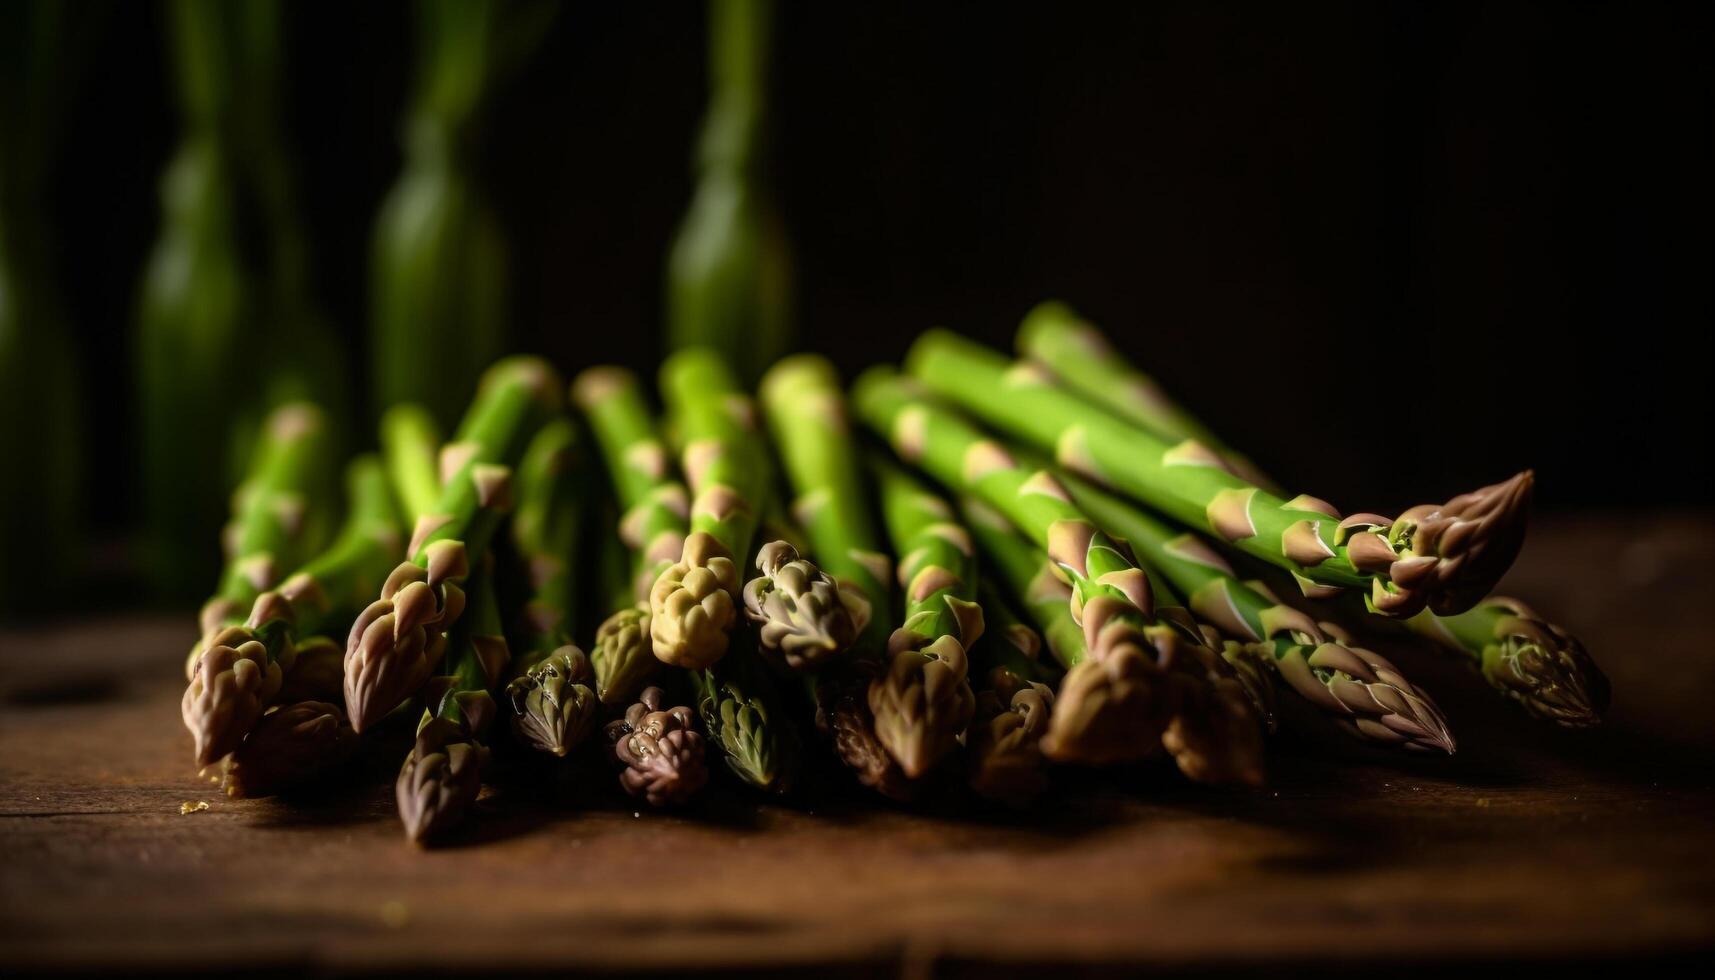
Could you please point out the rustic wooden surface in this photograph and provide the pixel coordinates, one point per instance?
(1532, 844)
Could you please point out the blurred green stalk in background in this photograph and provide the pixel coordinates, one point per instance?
(438, 267)
(226, 324)
(729, 275)
(39, 420)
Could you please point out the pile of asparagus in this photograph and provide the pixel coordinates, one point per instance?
(1020, 564)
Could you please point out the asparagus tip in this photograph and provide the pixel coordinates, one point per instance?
(439, 780)
(691, 606)
(923, 703)
(1545, 669)
(231, 684)
(663, 756)
(553, 705)
(798, 608)
(289, 746)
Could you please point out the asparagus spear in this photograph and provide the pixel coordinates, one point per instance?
(807, 416)
(1533, 662)
(443, 772)
(734, 697)
(411, 444)
(1446, 557)
(660, 750)
(1013, 701)
(1359, 688)
(1054, 336)
(291, 745)
(694, 602)
(243, 666)
(553, 704)
(275, 523)
(1029, 575)
(729, 270)
(806, 412)
(922, 700)
(396, 641)
(1139, 686)
(741, 709)
(653, 526)
(1563, 684)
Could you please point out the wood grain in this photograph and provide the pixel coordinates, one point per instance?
(1532, 844)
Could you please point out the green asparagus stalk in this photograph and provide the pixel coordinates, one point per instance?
(277, 512)
(552, 700)
(442, 774)
(1139, 686)
(922, 701)
(1446, 557)
(656, 508)
(411, 446)
(1013, 702)
(661, 753)
(807, 416)
(1357, 687)
(1562, 684)
(729, 271)
(1029, 576)
(1533, 662)
(694, 602)
(1054, 336)
(244, 665)
(397, 640)
(806, 412)
(438, 286)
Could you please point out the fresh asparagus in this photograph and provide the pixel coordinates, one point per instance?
(694, 602)
(1139, 685)
(291, 745)
(1361, 689)
(659, 749)
(729, 277)
(1531, 661)
(922, 701)
(741, 710)
(411, 446)
(806, 412)
(1562, 684)
(442, 774)
(552, 700)
(735, 698)
(243, 666)
(653, 526)
(396, 641)
(1013, 702)
(276, 512)
(1029, 576)
(1446, 557)
(1054, 336)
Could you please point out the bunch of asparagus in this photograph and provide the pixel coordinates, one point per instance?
(1019, 570)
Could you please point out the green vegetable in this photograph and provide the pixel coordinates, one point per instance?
(1140, 685)
(1446, 556)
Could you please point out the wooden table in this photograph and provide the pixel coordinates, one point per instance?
(1532, 844)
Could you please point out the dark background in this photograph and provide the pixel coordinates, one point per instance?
(1392, 249)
